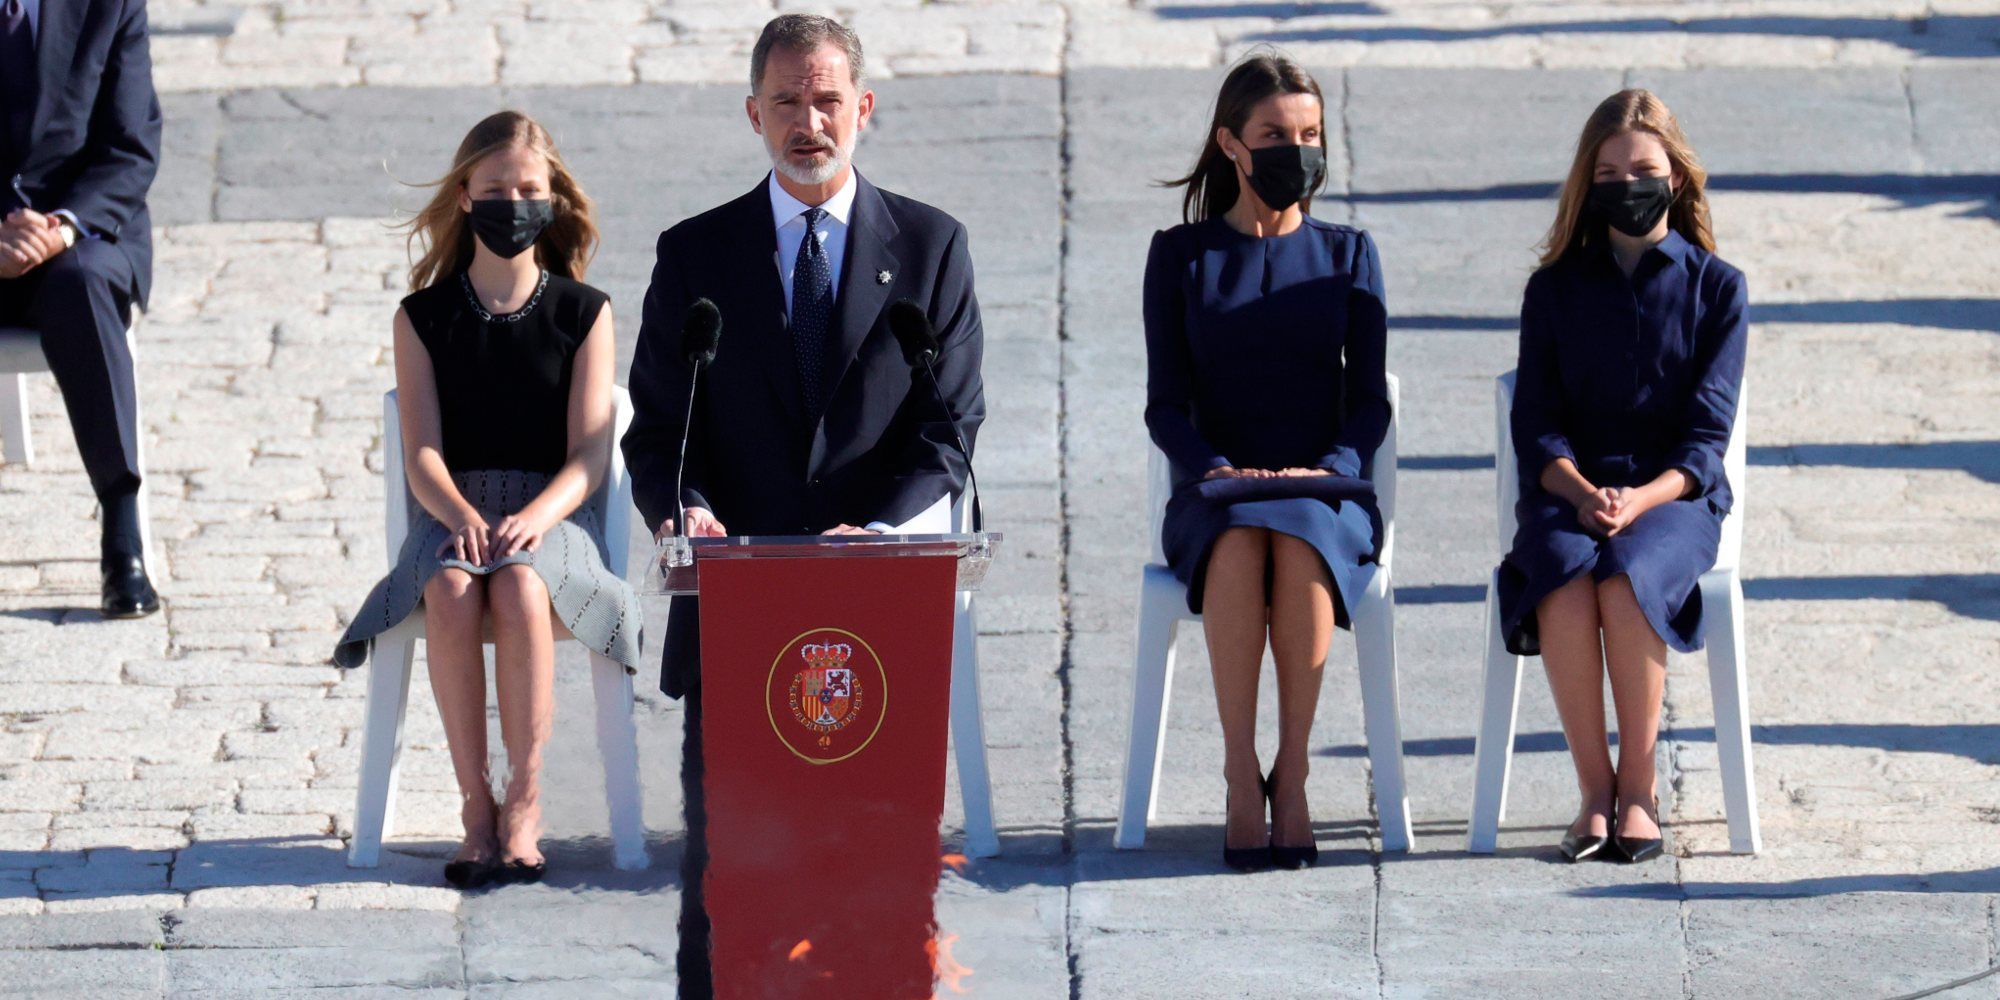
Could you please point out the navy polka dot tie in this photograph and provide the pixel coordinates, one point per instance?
(812, 312)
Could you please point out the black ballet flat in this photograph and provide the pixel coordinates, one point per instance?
(467, 875)
(518, 872)
(1247, 859)
(1294, 858)
(1577, 847)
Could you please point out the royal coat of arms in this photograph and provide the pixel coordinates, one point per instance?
(826, 695)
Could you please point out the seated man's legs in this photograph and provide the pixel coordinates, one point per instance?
(80, 302)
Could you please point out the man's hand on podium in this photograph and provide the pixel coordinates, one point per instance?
(848, 529)
(701, 524)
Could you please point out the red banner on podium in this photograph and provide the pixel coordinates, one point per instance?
(826, 686)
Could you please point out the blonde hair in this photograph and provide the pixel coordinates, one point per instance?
(1629, 111)
(564, 248)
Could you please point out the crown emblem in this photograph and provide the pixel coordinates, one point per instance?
(826, 655)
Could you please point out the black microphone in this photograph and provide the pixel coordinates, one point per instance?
(913, 330)
(700, 333)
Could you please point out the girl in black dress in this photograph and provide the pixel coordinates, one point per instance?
(504, 362)
(1632, 343)
(1265, 332)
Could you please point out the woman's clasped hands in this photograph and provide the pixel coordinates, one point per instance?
(474, 541)
(1608, 510)
(1231, 472)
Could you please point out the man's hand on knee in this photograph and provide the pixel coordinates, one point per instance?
(28, 239)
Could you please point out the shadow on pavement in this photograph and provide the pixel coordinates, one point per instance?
(1978, 742)
(1984, 881)
(303, 862)
(1944, 36)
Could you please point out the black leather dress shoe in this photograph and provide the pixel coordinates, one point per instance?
(127, 591)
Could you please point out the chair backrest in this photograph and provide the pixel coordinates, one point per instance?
(1381, 470)
(1507, 481)
(612, 503)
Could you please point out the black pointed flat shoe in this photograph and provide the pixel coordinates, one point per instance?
(519, 872)
(468, 875)
(1294, 858)
(1577, 847)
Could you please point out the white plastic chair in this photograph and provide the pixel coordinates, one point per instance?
(21, 356)
(1163, 606)
(395, 653)
(1722, 601)
(968, 721)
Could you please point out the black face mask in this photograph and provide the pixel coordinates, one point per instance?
(508, 227)
(1283, 176)
(1632, 207)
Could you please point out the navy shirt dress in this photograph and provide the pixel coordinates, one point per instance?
(1267, 353)
(1627, 377)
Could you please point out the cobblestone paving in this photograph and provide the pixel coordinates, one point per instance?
(174, 792)
(229, 43)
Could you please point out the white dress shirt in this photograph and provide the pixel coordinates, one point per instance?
(788, 214)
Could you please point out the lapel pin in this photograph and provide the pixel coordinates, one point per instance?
(882, 277)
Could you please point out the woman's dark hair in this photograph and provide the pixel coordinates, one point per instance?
(1212, 187)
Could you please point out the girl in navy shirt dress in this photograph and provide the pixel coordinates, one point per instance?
(1265, 389)
(1632, 343)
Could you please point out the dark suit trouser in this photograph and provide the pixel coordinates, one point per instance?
(691, 962)
(80, 302)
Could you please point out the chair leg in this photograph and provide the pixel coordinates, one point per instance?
(1722, 596)
(147, 549)
(17, 448)
(1375, 647)
(381, 747)
(1152, 687)
(1493, 751)
(968, 734)
(618, 747)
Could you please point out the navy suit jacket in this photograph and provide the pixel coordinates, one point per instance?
(882, 450)
(95, 143)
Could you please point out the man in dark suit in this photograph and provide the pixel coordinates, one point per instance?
(809, 420)
(79, 144)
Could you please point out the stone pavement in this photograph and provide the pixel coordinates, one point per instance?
(174, 793)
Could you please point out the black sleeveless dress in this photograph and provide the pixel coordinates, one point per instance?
(503, 385)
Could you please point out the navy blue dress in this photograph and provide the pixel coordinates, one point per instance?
(1267, 353)
(1626, 377)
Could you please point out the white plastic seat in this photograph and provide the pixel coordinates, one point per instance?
(1163, 606)
(395, 654)
(968, 721)
(21, 356)
(1722, 603)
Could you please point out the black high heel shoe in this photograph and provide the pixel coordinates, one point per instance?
(1638, 849)
(1243, 859)
(1290, 858)
(1577, 847)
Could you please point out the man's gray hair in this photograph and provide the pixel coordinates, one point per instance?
(804, 33)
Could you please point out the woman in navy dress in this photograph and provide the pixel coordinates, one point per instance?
(1265, 389)
(1632, 342)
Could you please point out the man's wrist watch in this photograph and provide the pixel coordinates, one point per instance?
(68, 230)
